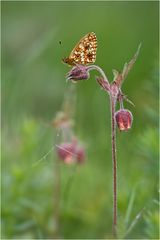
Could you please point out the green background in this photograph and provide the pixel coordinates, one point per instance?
(33, 89)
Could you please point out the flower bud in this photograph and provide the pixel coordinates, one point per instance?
(103, 83)
(124, 119)
(78, 72)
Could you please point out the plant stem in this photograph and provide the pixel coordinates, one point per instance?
(113, 100)
(95, 67)
(114, 162)
(57, 197)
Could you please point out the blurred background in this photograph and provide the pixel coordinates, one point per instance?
(35, 37)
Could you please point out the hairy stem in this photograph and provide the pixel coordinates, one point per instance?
(114, 162)
(95, 67)
(113, 100)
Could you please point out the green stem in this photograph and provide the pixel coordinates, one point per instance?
(57, 193)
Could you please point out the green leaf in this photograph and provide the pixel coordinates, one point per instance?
(115, 74)
(130, 207)
(134, 222)
(127, 66)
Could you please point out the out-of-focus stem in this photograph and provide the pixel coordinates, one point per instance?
(114, 162)
(57, 187)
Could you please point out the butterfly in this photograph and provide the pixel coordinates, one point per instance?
(84, 52)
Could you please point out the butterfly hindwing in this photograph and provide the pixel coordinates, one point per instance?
(84, 52)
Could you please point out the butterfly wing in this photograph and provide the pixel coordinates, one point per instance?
(85, 51)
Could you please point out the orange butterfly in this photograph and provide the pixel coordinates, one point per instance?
(84, 52)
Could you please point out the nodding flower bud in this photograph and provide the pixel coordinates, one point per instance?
(124, 119)
(103, 83)
(70, 152)
(78, 72)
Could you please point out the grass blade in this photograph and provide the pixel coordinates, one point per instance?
(130, 207)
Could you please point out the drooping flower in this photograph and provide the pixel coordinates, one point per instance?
(124, 119)
(78, 72)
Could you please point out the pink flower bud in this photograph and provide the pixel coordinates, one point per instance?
(78, 72)
(124, 119)
(104, 84)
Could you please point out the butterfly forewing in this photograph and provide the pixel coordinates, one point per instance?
(85, 51)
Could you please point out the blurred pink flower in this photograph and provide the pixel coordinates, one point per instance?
(71, 152)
